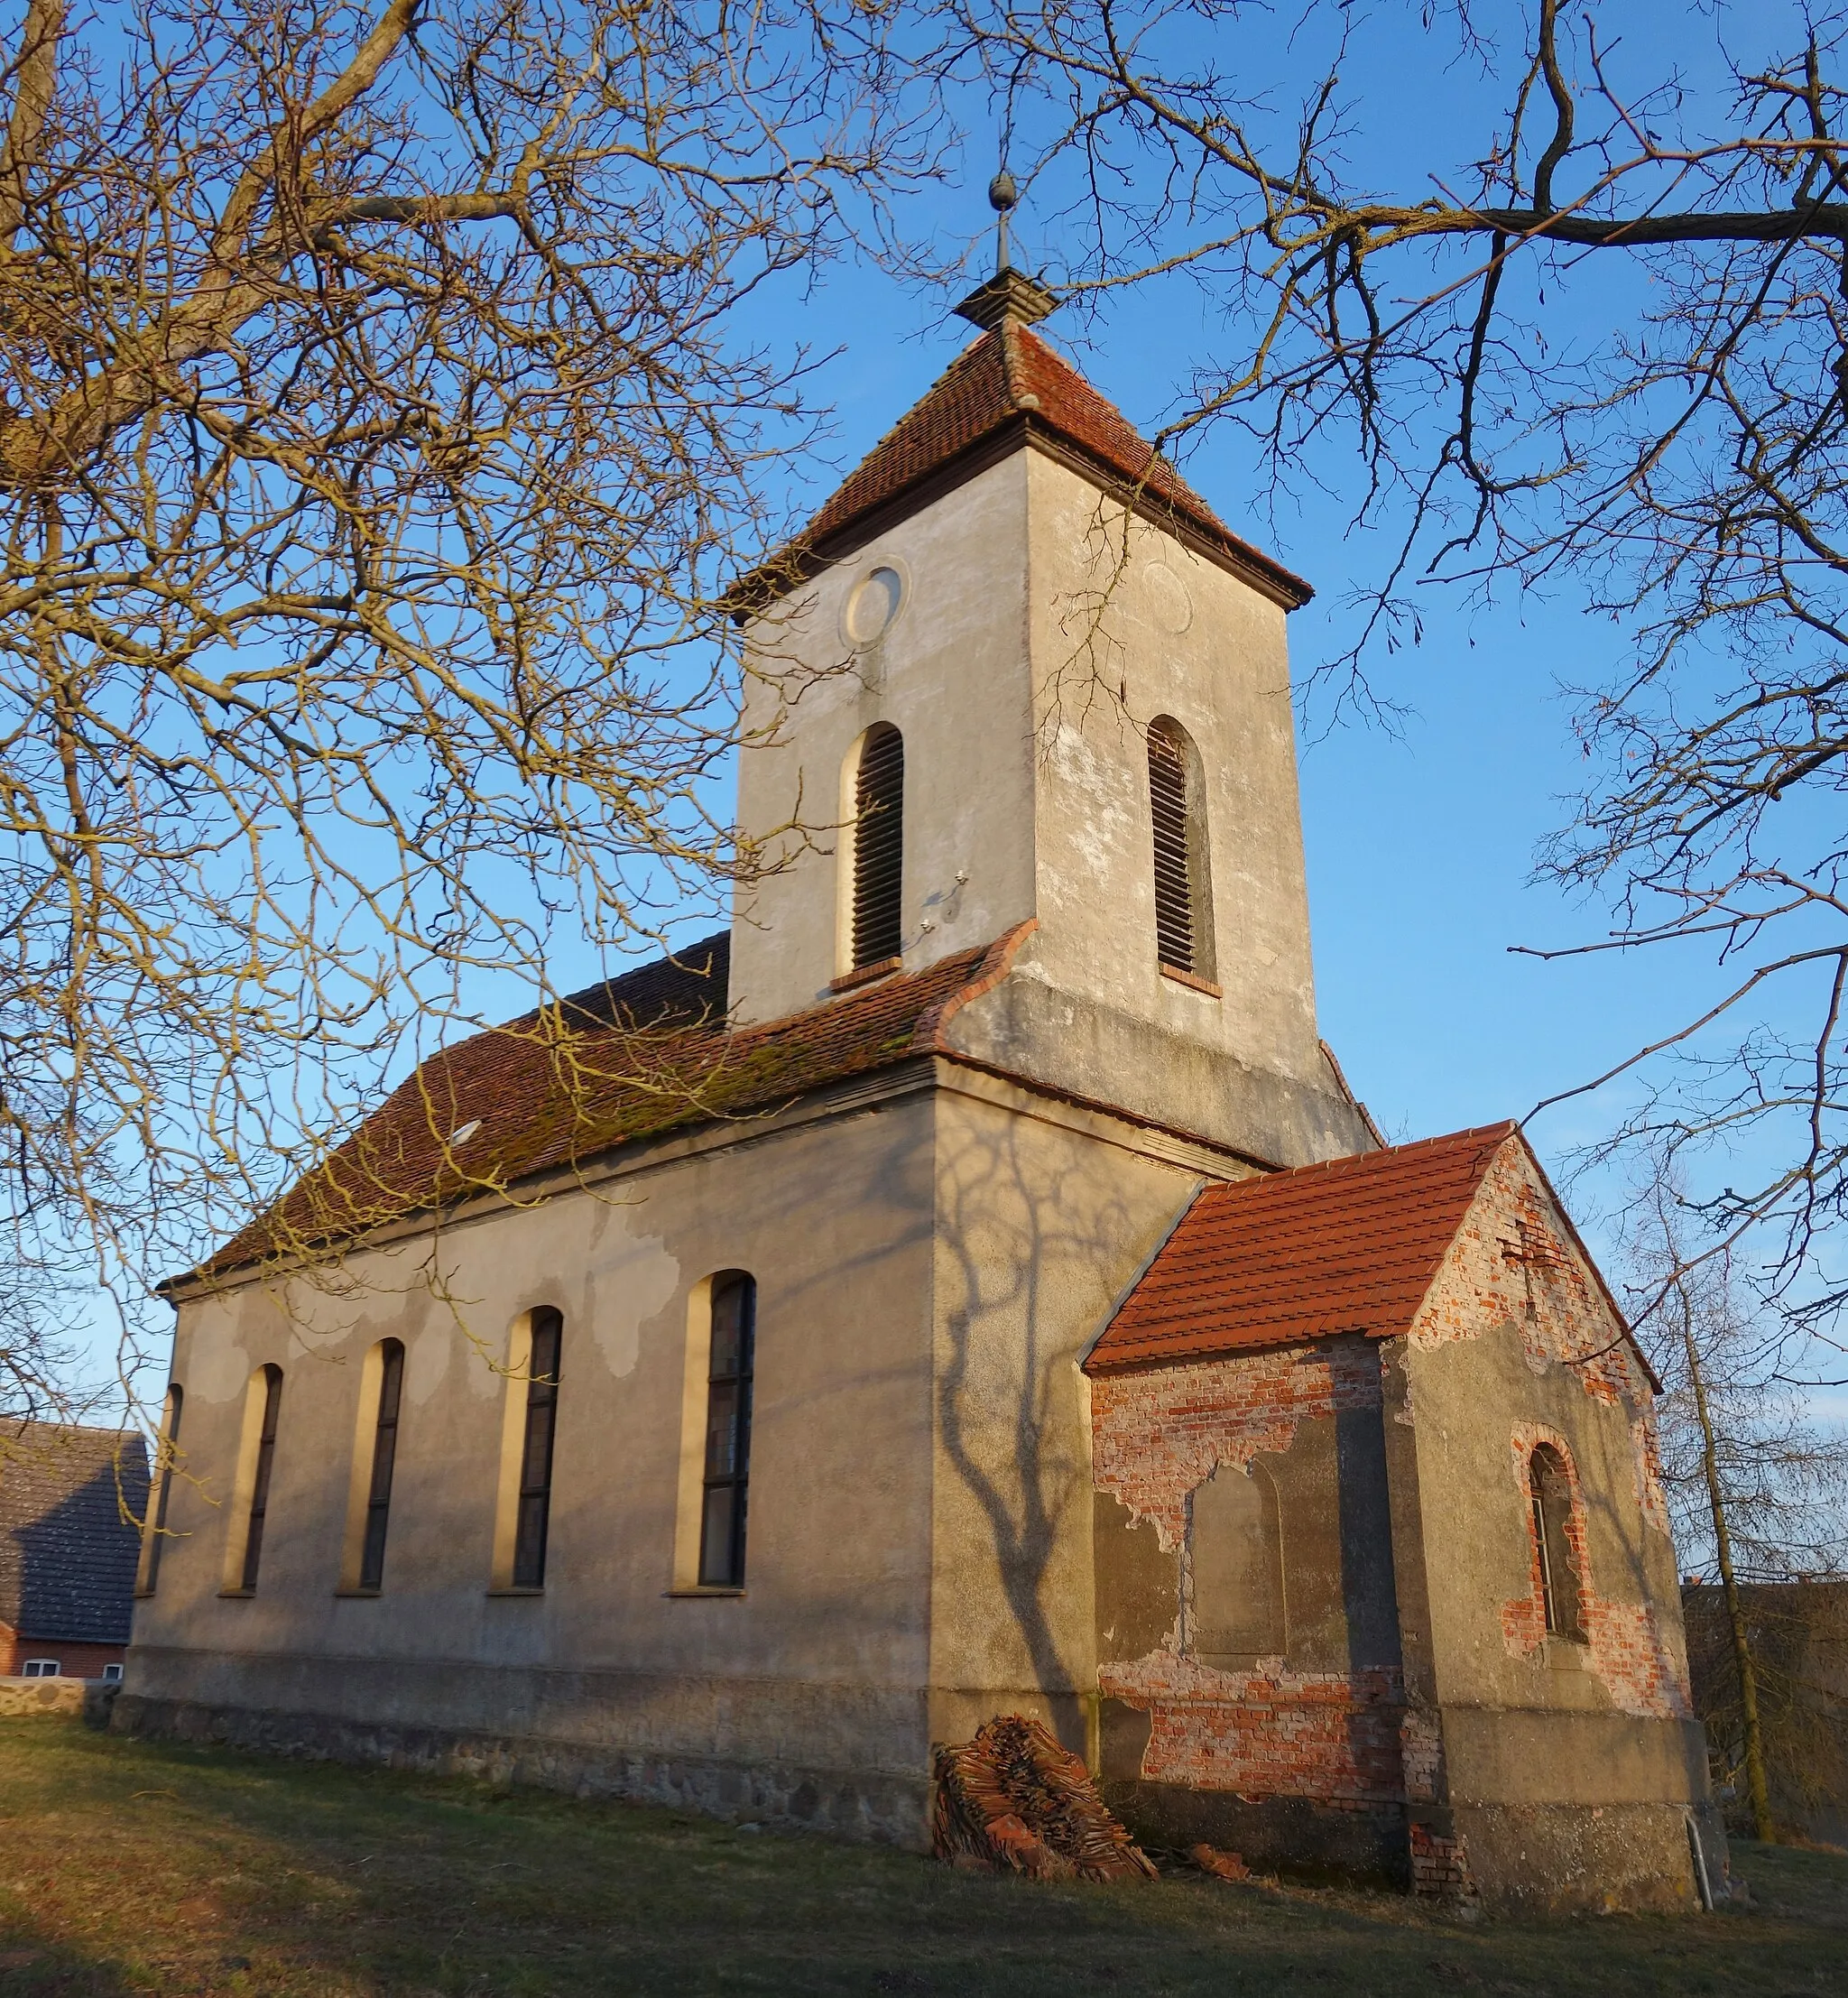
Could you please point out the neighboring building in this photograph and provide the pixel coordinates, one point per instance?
(1797, 1633)
(985, 1222)
(69, 1500)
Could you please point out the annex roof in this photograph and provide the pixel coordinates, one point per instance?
(634, 1058)
(1007, 392)
(1352, 1245)
(68, 1556)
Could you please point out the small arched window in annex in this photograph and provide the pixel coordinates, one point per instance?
(1184, 940)
(1236, 1553)
(875, 919)
(1549, 1505)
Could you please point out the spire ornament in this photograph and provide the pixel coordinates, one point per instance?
(1010, 296)
(1004, 197)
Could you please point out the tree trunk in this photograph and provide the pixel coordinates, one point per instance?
(1756, 1787)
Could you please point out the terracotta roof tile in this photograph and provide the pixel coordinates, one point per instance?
(1009, 379)
(550, 1091)
(1349, 1246)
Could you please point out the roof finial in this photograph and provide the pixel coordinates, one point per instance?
(1010, 297)
(1002, 197)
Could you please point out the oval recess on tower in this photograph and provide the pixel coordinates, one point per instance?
(872, 604)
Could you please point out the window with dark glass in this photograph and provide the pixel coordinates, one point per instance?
(727, 1432)
(879, 843)
(536, 1449)
(385, 1456)
(1182, 920)
(1549, 1490)
(165, 1445)
(260, 1482)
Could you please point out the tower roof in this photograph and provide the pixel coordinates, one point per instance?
(1009, 392)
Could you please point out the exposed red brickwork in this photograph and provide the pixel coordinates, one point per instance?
(74, 1660)
(1353, 1246)
(1329, 1735)
(1624, 1643)
(1440, 1866)
(1646, 1455)
(1512, 1260)
(1158, 1433)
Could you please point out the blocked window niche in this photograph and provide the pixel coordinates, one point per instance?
(1183, 943)
(529, 1436)
(250, 1494)
(1235, 1554)
(374, 1462)
(716, 1434)
(1549, 1505)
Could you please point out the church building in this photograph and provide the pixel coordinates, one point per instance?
(967, 1287)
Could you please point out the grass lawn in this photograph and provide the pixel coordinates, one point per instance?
(130, 1867)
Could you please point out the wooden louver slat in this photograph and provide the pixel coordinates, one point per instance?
(879, 840)
(1174, 888)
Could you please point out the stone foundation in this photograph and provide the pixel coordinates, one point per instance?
(1556, 1858)
(1302, 1837)
(20, 1697)
(854, 1804)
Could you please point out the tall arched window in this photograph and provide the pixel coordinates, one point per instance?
(879, 846)
(536, 1449)
(729, 1373)
(166, 1447)
(1183, 897)
(384, 1458)
(1549, 1495)
(270, 1378)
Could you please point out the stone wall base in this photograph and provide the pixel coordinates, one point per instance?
(20, 1697)
(1561, 1858)
(857, 1804)
(1302, 1837)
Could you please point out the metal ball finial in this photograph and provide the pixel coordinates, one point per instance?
(1002, 194)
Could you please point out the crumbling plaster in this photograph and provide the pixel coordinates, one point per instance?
(819, 1667)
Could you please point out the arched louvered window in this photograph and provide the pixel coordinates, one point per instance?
(1549, 1496)
(271, 1389)
(536, 1449)
(384, 1458)
(1183, 905)
(879, 846)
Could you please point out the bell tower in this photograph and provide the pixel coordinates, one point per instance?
(1030, 676)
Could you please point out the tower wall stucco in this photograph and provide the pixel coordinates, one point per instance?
(949, 674)
(1043, 628)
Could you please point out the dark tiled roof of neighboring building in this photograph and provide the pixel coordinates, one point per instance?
(67, 1555)
(549, 1091)
(1012, 388)
(1349, 1246)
